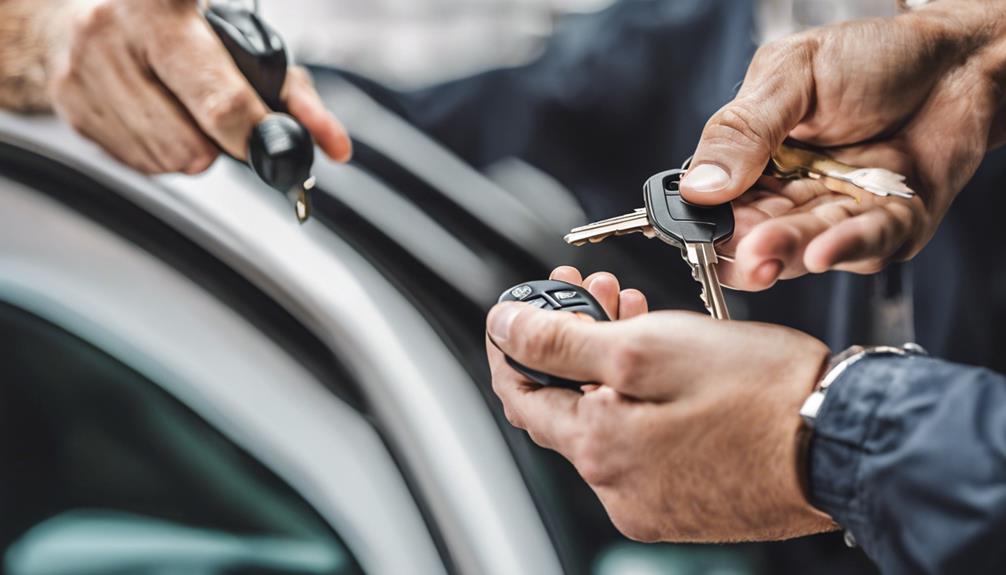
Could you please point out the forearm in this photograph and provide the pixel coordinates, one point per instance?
(28, 31)
(909, 455)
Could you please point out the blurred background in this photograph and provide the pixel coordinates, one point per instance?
(410, 44)
(194, 383)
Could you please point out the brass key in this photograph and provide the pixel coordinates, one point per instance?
(792, 162)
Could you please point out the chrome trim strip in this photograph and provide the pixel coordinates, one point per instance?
(429, 407)
(116, 296)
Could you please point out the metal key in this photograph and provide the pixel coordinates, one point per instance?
(792, 161)
(695, 230)
(635, 222)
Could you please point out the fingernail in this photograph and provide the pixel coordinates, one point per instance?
(500, 320)
(768, 272)
(706, 178)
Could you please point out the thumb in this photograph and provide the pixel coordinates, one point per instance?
(739, 139)
(557, 343)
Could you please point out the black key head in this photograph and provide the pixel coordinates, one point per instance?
(257, 49)
(676, 221)
(559, 296)
(280, 149)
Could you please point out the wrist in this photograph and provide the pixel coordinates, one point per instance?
(804, 518)
(836, 368)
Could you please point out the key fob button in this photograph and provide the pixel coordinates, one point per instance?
(540, 303)
(521, 292)
(567, 297)
(564, 295)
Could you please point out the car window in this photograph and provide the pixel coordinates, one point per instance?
(104, 472)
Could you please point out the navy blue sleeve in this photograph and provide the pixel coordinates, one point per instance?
(909, 456)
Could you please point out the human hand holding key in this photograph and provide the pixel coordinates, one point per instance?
(916, 94)
(695, 230)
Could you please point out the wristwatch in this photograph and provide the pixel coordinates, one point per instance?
(836, 367)
(842, 362)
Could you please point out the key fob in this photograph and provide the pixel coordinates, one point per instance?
(678, 222)
(280, 149)
(559, 296)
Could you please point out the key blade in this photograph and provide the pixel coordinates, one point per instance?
(793, 161)
(880, 182)
(702, 257)
(300, 197)
(635, 222)
(624, 217)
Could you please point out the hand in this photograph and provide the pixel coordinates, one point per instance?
(917, 94)
(691, 434)
(150, 82)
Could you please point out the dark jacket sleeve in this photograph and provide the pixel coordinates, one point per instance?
(909, 456)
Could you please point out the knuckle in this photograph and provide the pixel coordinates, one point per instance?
(72, 116)
(591, 460)
(225, 109)
(511, 416)
(739, 124)
(65, 78)
(628, 359)
(593, 470)
(544, 340)
(632, 523)
(98, 19)
(200, 162)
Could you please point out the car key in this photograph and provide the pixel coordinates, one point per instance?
(280, 149)
(695, 230)
(553, 295)
(793, 161)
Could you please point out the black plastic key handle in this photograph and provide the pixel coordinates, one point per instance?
(280, 149)
(559, 296)
(678, 222)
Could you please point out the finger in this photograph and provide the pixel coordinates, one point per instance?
(770, 198)
(738, 140)
(194, 65)
(632, 303)
(604, 287)
(115, 138)
(304, 103)
(775, 249)
(566, 274)
(870, 238)
(85, 89)
(557, 343)
(547, 414)
(158, 122)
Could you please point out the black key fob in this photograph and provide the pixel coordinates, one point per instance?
(559, 296)
(678, 222)
(257, 49)
(280, 149)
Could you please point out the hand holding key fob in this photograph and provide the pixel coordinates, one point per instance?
(558, 296)
(280, 149)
